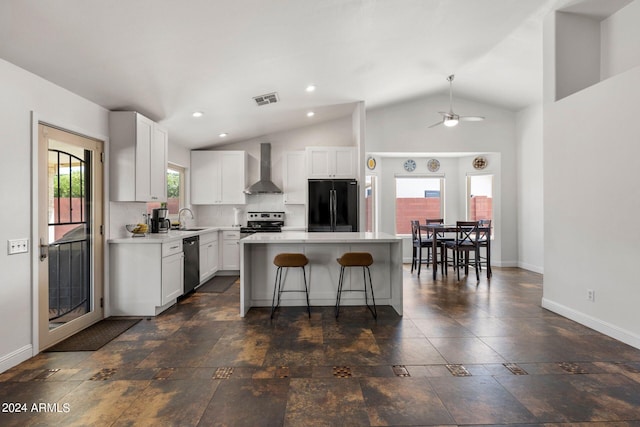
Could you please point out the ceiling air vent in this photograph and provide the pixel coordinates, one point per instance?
(269, 98)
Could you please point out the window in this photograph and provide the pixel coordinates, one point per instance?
(175, 190)
(370, 203)
(480, 197)
(418, 198)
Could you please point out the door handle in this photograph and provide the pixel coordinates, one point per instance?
(44, 250)
(330, 208)
(334, 213)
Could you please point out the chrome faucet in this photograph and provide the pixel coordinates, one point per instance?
(182, 224)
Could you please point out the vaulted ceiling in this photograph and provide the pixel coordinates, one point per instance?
(168, 59)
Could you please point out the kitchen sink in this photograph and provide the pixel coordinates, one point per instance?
(192, 229)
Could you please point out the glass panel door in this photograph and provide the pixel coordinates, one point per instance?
(69, 228)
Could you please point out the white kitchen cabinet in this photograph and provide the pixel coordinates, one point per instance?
(230, 250)
(172, 277)
(331, 162)
(294, 176)
(145, 279)
(209, 259)
(138, 158)
(218, 177)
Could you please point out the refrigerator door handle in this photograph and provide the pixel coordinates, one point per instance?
(333, 203)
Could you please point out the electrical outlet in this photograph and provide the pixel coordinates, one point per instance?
(591, 295)
(18, 246)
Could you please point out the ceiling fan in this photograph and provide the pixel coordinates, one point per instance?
(451, 119)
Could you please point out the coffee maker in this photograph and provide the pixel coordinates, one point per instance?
(159, 221)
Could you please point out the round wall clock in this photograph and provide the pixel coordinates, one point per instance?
(433, 165)
(371, 163)
(480, 162)
(410, 165)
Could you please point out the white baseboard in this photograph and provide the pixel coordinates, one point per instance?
(16, 357)
(606, 328)
(531, 267)
(504, 263)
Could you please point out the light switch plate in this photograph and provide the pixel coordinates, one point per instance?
(17, 246)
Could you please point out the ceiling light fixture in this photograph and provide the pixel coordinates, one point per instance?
(311, 88)
(311, 114)
(450, 121)
(223, 135)
(198, 114)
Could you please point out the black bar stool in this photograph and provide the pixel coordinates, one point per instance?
(288, 260)
(356, 259)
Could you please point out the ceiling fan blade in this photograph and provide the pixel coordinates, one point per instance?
(471, 118)
(436, 124)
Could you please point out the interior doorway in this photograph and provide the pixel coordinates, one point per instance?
(70, 220)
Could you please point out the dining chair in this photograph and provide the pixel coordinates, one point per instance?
(466, 241)
(484, 234)
(419, 242)
(442, 239)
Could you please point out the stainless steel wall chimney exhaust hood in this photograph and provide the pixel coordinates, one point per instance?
(265, 185)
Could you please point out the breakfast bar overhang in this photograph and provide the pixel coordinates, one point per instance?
(257, 271)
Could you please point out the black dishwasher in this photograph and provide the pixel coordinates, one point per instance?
(191, 250)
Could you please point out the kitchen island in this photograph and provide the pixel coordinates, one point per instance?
(257, 272)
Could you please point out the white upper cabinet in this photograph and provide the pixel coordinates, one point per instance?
(294, 177)
(331, 162)
(138, 158)
(218, 177)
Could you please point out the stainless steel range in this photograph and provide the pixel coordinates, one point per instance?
(262, 222)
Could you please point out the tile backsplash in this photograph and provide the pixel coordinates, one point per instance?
(223, 215)
(123, 213)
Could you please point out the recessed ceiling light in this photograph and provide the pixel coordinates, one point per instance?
(311, 114)
(223, 135)
(311, 88)
(198, 114)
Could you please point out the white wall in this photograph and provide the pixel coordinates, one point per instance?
(404, 128)
(337, 132)
(530, 189)
(620, 41)
(591, 204)
(578, 53)
(22, 93)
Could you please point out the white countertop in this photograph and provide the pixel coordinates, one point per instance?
(172, 235)
(305, 237)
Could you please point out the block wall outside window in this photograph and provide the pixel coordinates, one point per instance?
(481, 208)
(408, 209)
(417, 198)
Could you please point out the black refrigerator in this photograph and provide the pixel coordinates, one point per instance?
(333, 205)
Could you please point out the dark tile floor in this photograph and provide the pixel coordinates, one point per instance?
(464, 353)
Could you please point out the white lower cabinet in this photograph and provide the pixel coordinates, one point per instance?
(209, 255)
(145, 279)
(231, 250)
(172, 277)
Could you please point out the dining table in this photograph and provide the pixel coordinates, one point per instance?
(436, 228)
